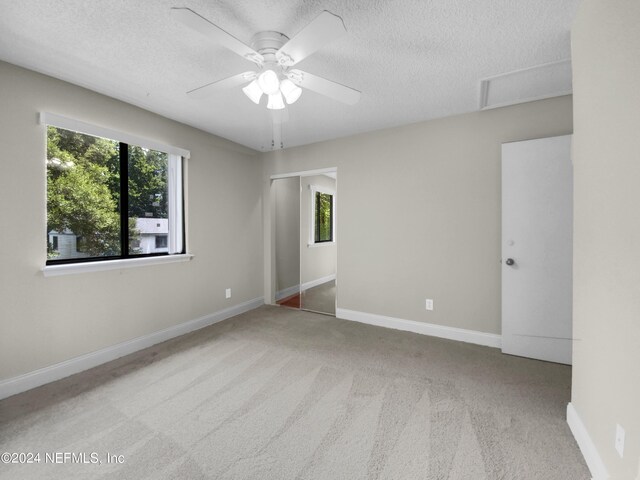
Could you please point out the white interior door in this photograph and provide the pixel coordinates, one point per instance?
(537, 248)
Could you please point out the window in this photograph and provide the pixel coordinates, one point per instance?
(322, 211)
(107, 195)
(161, 241)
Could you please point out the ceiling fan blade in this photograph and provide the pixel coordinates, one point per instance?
(200, 24)
(334, 90)
(230, 82)
(325, 28)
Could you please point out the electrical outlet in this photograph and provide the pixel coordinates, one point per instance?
(429, 304)
(620, 440)
(227, 293)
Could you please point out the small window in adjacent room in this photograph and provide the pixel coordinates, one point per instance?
(106, 197)
(322, 216)
(161, 241)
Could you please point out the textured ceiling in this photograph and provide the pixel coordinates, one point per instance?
(413, 59)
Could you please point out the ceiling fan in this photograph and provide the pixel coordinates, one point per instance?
(274, 54)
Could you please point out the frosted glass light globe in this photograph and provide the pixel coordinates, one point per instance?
(253, 91)
(268, 82)
(290, 91)
(275, 102)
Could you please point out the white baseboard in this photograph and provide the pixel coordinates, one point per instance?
(287, 292)
(74, 365)
(587, 447)
(460, 334)
(318, 281)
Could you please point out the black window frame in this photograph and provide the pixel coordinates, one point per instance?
(316, 215)
(124, 217)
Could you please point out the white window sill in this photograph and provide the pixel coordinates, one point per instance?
(100, 266)
(321, 244)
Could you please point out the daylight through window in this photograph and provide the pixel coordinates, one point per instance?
(107, 199)
(323, 217)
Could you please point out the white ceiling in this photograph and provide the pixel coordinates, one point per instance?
(413, 60)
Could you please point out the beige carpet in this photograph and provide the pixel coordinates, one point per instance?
(282, 394)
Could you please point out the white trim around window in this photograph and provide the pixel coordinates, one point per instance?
(176, 223)
(79, 126)
(119, 264)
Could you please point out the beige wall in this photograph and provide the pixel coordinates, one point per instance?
(48, 320)
(316, 261)
(433, 230)
(287, 193)
(606, 155)
(419, 212)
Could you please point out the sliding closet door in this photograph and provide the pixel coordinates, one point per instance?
(318, 243)
(287, 226)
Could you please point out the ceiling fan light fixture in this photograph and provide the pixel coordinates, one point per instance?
(253, 91)
(290, 91)
(275, 101)
(268, 82)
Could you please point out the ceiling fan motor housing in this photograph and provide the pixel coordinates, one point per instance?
(267, 44)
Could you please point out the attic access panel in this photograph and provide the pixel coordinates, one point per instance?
(535, 83)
